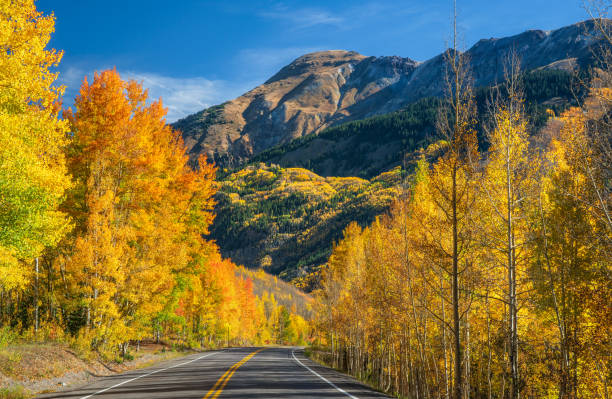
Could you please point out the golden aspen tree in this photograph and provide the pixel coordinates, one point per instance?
(571, 270)
(337, 278)
(430, 279)
(140, 209)
(454, 189)
(33, 174)
(100, 161)
(508, 184)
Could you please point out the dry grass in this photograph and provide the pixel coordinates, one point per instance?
(36, 367)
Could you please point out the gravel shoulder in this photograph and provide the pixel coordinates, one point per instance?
(49, 367)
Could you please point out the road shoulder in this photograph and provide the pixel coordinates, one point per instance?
(50, 367)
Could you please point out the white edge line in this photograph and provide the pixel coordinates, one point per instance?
(321, 377)
(145, 375)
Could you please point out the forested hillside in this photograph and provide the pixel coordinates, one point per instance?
(370, 146)
(285, 220)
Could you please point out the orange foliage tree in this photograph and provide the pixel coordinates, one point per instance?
(140, 263)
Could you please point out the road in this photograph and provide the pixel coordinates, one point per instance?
(235, 373)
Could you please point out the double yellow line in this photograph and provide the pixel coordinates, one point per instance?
(222, 382)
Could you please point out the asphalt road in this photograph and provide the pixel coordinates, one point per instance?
(234, 373)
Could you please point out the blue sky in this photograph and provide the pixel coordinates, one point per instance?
(197, 53)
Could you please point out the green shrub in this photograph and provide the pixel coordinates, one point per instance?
(7, 336)
(16, 392)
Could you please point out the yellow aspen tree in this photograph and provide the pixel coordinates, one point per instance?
(135, 186)
(572, 267)
(33, 175)
(508, 184)
(454, 191)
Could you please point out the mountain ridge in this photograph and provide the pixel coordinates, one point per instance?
(328, 88)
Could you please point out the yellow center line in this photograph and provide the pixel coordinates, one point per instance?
(222, 382)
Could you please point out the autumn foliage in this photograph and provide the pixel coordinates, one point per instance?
(533, 268)
(103, 219)
(488, 278)
(33, 175)
(140, 211)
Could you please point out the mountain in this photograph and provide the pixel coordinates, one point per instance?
(328, 88)
(285, 209)
(370, 146)
(319, 144)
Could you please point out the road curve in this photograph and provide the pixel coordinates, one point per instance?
(236, 373)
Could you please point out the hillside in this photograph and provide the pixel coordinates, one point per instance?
(372, 145)
(284, 210)
(285, 220)
(265, 286)
(328, 88)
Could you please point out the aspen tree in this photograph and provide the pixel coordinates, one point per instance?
(452, 180)
(508, 183)
(33, 175)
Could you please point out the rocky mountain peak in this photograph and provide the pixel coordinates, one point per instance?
(313, 62)
(326, 88)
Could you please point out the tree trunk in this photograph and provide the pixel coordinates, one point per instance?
(512, 332)
(458, 384)
(443, 326)
(36, 298)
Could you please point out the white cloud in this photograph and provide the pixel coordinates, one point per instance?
(181, 96)
(71, 77)
(184, 96)
(303, 17)
(360, 14)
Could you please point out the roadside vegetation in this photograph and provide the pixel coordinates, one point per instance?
(490, 276)
(102, 221)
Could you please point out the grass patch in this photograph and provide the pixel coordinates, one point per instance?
(9, 362)
(16, 392)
